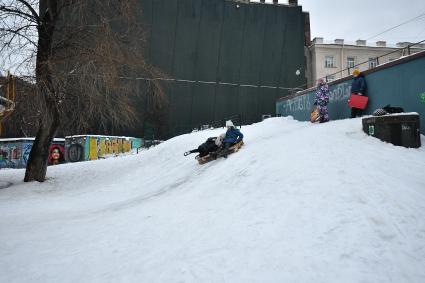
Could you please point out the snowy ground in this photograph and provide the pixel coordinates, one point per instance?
(298, 203)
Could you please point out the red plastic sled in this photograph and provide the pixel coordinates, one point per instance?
(358, 101)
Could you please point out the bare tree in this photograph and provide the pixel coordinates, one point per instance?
(24, 118)
(85, 54)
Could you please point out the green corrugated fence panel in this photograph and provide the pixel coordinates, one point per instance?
(223, 41)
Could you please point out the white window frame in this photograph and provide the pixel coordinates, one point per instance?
(349, 61)
(373, 62)
(329, 61)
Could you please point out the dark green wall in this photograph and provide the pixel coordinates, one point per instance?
(400, 83)
(216, 41)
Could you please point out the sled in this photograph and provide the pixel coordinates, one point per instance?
(214, 155)
(358, 101)
(314, 115)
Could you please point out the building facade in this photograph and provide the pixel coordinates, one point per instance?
(337, 59)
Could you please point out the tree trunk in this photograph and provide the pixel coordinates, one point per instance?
(37, 162)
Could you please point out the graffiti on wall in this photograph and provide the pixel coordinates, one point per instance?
(340, 92)
(75, 152)
(15, 154)
(299, 103)
(26, 149)
(56, 154)
(75, 149)
(101, 147)
(10, 156)
(422, 96)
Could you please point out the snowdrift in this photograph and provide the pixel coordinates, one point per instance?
(298, 203)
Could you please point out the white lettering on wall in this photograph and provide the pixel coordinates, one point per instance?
(340, 92)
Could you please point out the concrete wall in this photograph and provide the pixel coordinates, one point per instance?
(220, 47)
(399, 83)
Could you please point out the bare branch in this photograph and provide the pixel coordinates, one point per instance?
(20, 13)
(17, 32)
(31, 9)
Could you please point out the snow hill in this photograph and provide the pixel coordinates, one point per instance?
(298, 203)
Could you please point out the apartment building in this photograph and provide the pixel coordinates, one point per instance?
(337, 59)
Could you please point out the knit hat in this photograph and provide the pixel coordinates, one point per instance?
(229, 124)
(356, 72)
(321, 81)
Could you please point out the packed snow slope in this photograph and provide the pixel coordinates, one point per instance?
(298, 203)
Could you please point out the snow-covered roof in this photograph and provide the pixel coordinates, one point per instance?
(28, 139)
(99, 136)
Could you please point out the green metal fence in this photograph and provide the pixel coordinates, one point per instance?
(227, 58)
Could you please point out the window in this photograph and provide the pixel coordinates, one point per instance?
(372, 63)
(350, 62)
(329, 62)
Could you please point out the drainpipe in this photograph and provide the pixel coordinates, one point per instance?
(342, 58)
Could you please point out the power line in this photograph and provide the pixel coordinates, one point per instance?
(210, 82)
(399, 25)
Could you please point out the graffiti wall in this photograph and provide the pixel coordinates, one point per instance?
(84, 148)
(301, 106)
(400, 84)
(14, 153)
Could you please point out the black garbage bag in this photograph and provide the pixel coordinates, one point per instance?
(392, 110)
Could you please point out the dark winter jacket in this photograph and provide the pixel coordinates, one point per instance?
(233, 135)
(359, 85)
(207, 147)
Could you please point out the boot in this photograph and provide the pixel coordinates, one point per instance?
(226, 150)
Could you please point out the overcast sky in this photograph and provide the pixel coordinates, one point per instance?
(363, 19)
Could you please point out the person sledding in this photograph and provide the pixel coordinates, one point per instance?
(211, 145)
(232, 137)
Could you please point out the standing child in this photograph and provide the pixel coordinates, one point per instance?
(322, 100)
